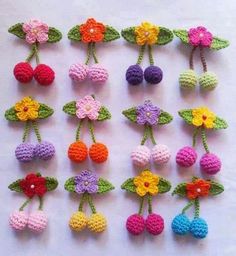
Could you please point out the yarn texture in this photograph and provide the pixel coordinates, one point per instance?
(135, 224)
(160, 154)
(37, 221)
(180, 224)
(188, 79)
(98, 152)
(208, 80)
(98, 74)
(18, 220)
(78, 221)
(141, 156)
(199, 228)
(134, 75)
(23, 72)
(186, 157)
(78, 72)
(25, 152)
(154, 224)
(44, 75)
(210, 163)
(44, 150)
(153, 74)
(97, 223)
(78, 152)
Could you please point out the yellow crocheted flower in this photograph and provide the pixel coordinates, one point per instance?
(146, 33)
(203, 116)
(146, 182)
(27, 109)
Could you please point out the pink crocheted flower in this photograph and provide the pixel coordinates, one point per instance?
(36, 31)
(88, 107)
(200, 36)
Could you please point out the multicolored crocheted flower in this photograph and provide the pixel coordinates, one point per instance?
(198, 188)
(147, 33)
(203, 117)
(86, 181)
(200, 36)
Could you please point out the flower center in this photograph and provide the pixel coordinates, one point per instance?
(198, 190)
(25, 109)
(148, 114)
(201, 35)
(32, 186)
(91, 30)
(204, 117)
(146, 33)
(35, 31)
(88, 107)
(146, 184)
(86, 183)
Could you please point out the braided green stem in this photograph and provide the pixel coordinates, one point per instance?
(88, 53)
(204, 140)
(78, 130)
(91, 130)
(40, 203)
(36, 130)
(151, 60)
(195, 136)
(141, 53)
(24, 204)
(151, 135)
(145, 134)
(82, 201)
(149, 204)
(197, 208)
(26, 131)
(203, 60)
(31, 54)
(140, 211)
(94, 53)
(190, 203)
(90, 201)
(191, 66)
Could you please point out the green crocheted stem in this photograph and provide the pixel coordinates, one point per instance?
(140, 211)
(150, 56)
(149, 204)
(191, 65)
(92, 206)
(91, 130)
(203, 60)
(151, 135)
(204, 140)
(26, 131)
(88, 53)
(141, 53)
(145, 135)
(37, 54)
(82, 201)
(36, 130)
(77, 137)
(32, 53)
(93, 49)
(25, 204)
(197, 208)
(195, 136)
(40, 203)
(190, 203)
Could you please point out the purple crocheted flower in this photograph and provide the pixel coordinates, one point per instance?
(200, 36)
(86, 182)
(148, 113)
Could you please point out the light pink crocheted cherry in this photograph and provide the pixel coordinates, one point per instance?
(98, 74)
(78, 72)
(18, 220)
(37, 221)
(141, 156)
(160, 154)
(154, 224)
(210, 163)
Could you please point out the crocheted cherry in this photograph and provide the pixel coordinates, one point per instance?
(188, 79)
(44, 75)
(208, 80)
(98, 152)
(25, 152)
(141, 156)
(98, 74)
(97, 223)
(180, 224)
(210, 163)
(199, 228)
(78, 152)
(160, 154)
(23, 72)
(44, 150)
(18, 220)
(135, 224)
(134, 75)
(186, 157)
(78, 72)
(154, 224)
(78, 221)
(37, 221)
(153, 74)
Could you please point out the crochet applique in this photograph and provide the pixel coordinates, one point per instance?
(146, 185)
(90, 33)
(29, 111)
(91, 109)
(86, 184)
(32, 185)
(35, 32)
(201, 38)
(202, 119)
(149, 115)
(146, 35)
(193, 191)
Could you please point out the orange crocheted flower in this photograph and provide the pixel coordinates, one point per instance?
(198, 188)
(92, 31)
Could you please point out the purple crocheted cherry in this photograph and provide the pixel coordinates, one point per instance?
(153, 74)
(186, 157)
(25, 152)
(134, 75)
(135, 224)
(210, 163)
(44, 150)
(154, 224)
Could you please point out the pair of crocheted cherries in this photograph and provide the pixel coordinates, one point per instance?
(29, 111)
(146, 34)
(32, 185)
(198, 228)
(90, 33)
(202, 118)
(86, 184)
(35, 33)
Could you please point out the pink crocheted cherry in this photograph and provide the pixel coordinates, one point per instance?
(141, 156)
(98, 74)
(154, 224)
(160, 154)
(186, 157)
(210, 163)
(37, 221)
(78, 72)
(135, 224)
(18, 220)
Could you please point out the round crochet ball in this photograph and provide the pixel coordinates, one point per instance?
(98, 74)
(153, 74)
(134, 75)
(25, 152)
(44, 75)
(188, 79)
(180, 224)
(141, 156)
(44, 150)
(154, 224)
(78, 72)
(97, 223)
(23, 72)
(186, 157)
(199, 228)
(208, 80)
(160, 154)
(37, 221)
(18, 220)
(135, 224)
(78, 221)
(210, 163)
(98, 152)
(77, 152)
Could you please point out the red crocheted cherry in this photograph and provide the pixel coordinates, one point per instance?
(44, 75)
(23, 72)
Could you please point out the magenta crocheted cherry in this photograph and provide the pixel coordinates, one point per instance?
(154, 224)
(135, 224)
(210, 163)
(186, 156)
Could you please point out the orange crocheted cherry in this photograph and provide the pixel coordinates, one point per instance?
(98, 152)
(78, 152)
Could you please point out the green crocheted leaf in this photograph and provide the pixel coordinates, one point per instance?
(74, 33)
(187, 115)
(54, 35)
(165, 36)
(110, 34)
(104, 186)
(130, 114)
(17, 30)
(45, 111)
(164, 118)
(163, 186)
(180, 190)
(182, 34)
(70, 108)
(129, 186)
(70, 185)
(218, 43)
(104, 114)
(10, 114)
(129, 35)
(15, 186)
(220, 123)
(216, 188)
(51, 183)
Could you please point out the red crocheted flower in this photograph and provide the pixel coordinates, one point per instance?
(198, 188)
(92, 31)
(33, 185)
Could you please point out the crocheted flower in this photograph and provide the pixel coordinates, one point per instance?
(92, 31)
(198, 188)
(33, 185)
(36, 31)
(203, 116)
(146, 33)
(148, 113)
(88, 107)
(27, 109)
(86, 182)
(200, 36)
(146, 182)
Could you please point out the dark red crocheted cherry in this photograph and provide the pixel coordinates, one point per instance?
(44, 75)
(23, 72)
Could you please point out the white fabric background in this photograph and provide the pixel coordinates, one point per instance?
(120, 136)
